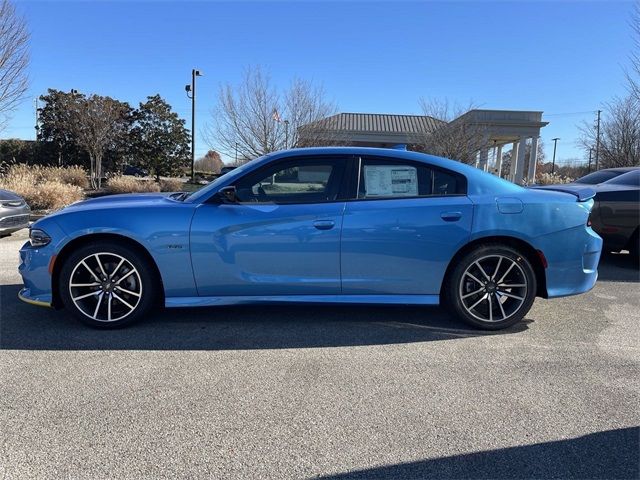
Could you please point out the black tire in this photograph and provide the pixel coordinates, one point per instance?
(134, 276)
(508, 305)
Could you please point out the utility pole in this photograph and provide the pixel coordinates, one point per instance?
(236, 154)
(598, 139)
(192, 88)
(553, 162)
(590, 152)
(37, 110)
(286, 134)
(37, 144)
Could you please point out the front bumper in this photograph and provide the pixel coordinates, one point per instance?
(39, 300)
(14, 222)
(34, 269)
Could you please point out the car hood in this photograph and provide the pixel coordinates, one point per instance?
(8, 195)
(119, 201)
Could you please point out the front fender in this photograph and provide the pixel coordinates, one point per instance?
(162, 232)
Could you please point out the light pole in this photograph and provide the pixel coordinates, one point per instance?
(192, 88)
(553, 162)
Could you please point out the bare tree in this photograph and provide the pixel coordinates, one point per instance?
(619, 133)
(456, 137)
(211, 162)
(255, 118)
(98, 124)
(305, 107)
(14, 59)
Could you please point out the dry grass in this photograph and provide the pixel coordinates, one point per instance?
(171, 185)
(74, 176)
(552, 179)
(70, 175)
(41, 194)
(127, 184)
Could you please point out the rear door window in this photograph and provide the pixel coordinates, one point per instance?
(394, 178)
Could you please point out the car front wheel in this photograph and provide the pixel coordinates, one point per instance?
(491, 287)
(106, 285)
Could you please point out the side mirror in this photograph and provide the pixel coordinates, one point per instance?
(228, 194)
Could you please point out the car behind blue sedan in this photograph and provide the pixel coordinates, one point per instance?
(320, 225)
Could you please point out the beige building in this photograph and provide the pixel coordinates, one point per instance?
(498, 129)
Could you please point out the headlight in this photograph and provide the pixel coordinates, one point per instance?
(38, 238)
(12, 203)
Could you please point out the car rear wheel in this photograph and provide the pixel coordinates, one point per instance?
(107, 285)
(491, 287)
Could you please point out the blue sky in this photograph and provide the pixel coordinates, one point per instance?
(564, 58)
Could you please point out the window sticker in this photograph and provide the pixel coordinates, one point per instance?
(390, 180)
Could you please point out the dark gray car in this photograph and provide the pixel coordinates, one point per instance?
(616, 213)
(604, 175)
(14, 213)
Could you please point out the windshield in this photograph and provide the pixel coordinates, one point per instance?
(598, 177)
(630, 178)
(203, 193)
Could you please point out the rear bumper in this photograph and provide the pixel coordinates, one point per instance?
(573, 256)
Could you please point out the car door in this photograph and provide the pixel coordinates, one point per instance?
(402, 227)
(281, 237)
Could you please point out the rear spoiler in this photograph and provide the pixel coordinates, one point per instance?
(583, 193)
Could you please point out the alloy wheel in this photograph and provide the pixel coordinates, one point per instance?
(105, 287)
(493, 288)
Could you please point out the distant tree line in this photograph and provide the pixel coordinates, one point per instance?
(103, 134)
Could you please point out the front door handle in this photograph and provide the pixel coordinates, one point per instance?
(324, 224)
(451, 216)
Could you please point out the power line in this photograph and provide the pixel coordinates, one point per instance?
(568, 113)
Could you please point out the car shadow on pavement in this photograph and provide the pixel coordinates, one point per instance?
(27, 327)
(609, 454)
(617, 267)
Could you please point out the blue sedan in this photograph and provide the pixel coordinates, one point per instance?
(319, 225)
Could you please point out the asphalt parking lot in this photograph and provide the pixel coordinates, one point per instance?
(329, 392)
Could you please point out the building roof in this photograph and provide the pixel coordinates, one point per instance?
(378, 123)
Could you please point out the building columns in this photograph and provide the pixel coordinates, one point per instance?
(519, 170)
(514, 161)
(484, 159)
(533, 160)
(498, 165)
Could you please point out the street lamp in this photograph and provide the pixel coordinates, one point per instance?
(553, 163)
(192, 88)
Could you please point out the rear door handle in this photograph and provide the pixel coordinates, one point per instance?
(451, 216)
(324, 224)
